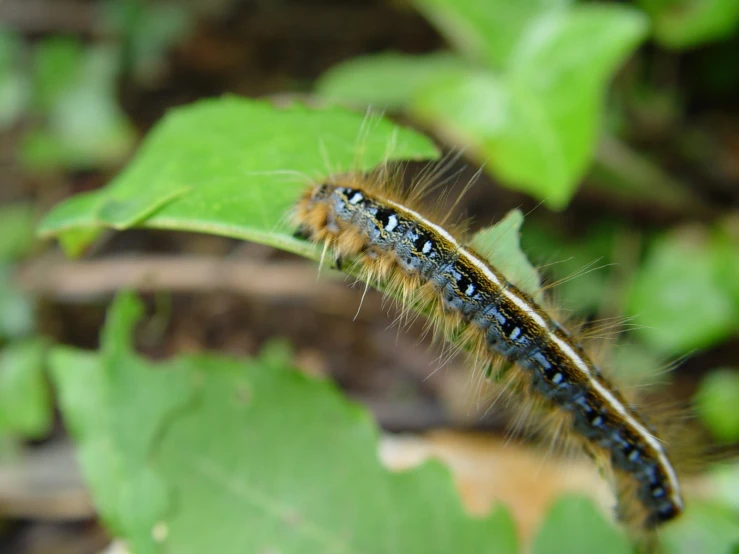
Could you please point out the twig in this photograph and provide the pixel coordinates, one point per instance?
(39, 16)
(283, 281)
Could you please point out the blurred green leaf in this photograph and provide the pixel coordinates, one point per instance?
(83, 124)
(148, 31)
(705, 527)
(688, 23)
(234, 167)
(724, 482)
(16, 309)
(636, 365)
(13, 82)
(578, 263)
(486, 30)
(57, 65)
(500, 245)
(726, 242)
(681, 297)
(388, 80)
(573, 525)
(536, 121)
(292, 467)
(537, 124)
(716, 402)
(16, 231)
(25, 402)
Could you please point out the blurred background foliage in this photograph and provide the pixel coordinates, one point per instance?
(614, 126)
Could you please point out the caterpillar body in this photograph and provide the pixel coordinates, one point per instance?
(361, 217)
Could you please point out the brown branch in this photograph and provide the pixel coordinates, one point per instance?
(41, 16)
(270, 280)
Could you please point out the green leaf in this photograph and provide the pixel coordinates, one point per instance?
(486, 30)
(580, 263)
(688, 23)
(500, 245)
(16, 231)
(57, 65)
(16, 308)
(148, 31)
(724, 484)
(241, 173)
(13, 82)
(115, 405)
(234, 167)
(537, 124)
(535, 121)
(574, 526)
(716, 403)
(682, 297)
(83, 125)
(388, 80)
(208, 454)
(636, 365)
(25, 402)
(726, 244)
(705, 527)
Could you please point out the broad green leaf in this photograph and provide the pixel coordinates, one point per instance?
(681, 297)
(688, 23)
(500, 245)
(234, 167)
(16, 231)
(536, 125)
(716, 403)
(209, 454)
(16, 308)
(486, 30)
(574, 526)
(115, 405)
(25, 402)
(388, 80)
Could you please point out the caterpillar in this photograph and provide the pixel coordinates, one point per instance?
(365, 218)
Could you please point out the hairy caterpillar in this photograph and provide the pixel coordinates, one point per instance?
(366, 218)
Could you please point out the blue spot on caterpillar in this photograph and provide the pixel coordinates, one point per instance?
(358, 218)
